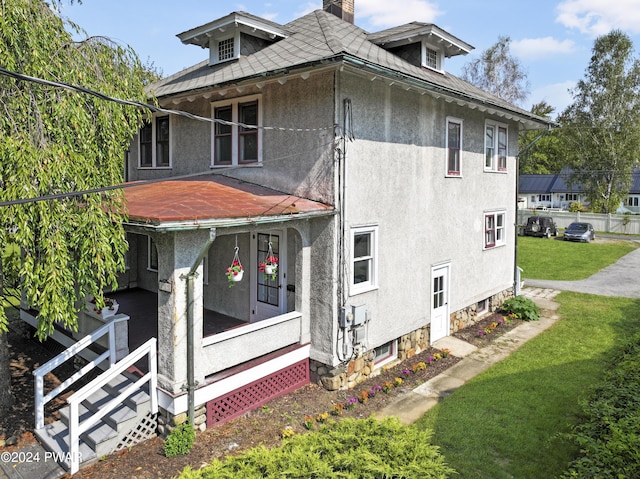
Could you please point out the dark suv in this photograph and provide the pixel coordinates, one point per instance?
(542, 226)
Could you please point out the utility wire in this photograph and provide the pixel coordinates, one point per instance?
(153, 108)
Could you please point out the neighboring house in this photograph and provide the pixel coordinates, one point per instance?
(554, 191)
(384, 185)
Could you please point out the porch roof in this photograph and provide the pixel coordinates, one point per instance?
(214, 200)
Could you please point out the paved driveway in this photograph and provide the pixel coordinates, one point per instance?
(619, 279)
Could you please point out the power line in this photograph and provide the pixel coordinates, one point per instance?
(153, 108)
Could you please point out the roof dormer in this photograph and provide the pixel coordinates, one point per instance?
(237, 34)
(421, 44)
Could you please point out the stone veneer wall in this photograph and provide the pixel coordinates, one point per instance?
(167, 422)
(347, 376)
(468, 316)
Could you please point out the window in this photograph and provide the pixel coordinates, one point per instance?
(495, 147)
(225, 49)
(494, 231)
(154, 141)
(431, 57)
(364, 259)
(454, 146)
(235, 142)
(572, 196)
(482, 307)
(152, 255)
(544, 198)
(633, 201)
(385, 354)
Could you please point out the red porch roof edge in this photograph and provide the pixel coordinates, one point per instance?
(206, 198)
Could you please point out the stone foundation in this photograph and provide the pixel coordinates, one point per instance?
(167, 422)
(468, 316)
(360, 368)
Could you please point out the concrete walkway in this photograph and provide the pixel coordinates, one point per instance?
(413, 405)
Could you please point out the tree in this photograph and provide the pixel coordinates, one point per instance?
(55, 140)
(498, 72)
(601, 127)
(540, 155)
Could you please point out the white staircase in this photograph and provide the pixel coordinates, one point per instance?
(114, 411)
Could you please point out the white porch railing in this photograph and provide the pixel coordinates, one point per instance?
(109, 354)
(238, 345)
(76, 428)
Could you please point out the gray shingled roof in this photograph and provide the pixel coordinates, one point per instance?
(320, 37)
(557, 183)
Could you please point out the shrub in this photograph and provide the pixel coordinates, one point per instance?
(180, 440)
(522, 307)
(355, 448)
(609, 439)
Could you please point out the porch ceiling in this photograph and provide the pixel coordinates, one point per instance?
(213, 197)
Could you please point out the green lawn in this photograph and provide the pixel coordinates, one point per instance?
(542, 258)
(506, 422)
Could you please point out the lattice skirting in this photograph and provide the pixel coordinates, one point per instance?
(144, 430)
(257, 393)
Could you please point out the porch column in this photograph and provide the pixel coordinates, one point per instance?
(303, 298)
(177, 252)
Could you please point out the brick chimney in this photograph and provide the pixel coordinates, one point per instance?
(340, 8)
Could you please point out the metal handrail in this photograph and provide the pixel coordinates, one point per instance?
(39, 373)
(76, 428)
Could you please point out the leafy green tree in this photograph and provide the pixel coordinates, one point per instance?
(55, 140)
(498, 72)
(601, 128)
(541, 155)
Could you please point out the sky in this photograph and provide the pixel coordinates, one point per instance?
(552, 39)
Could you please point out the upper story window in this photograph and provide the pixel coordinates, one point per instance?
(432, 57)
(494, 229)
(155, 144)
(454, 146)
(236, 142)
(495, 147)
(224, 49)
(364, 252)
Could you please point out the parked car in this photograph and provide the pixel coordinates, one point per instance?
(542, 226)
(579, 232)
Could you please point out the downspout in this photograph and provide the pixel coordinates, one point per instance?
(190, 277)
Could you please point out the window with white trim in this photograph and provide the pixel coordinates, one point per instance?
(224, 49)
(385, 354)
(364, 252)
(494, 229)
(495, 146)
(154, 143)
(572, 197)
(235, 142)
(432, 57)
(454, 147)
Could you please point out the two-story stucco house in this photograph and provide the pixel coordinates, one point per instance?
(384, 185)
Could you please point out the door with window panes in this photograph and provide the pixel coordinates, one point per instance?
(268, 295)
(439, 302)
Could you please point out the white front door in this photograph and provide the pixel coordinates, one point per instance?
(268, 295)
(439, 302)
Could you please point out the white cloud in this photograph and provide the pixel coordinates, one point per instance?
(383, 13)
(599, 17)
(535, 48)
(555, 94)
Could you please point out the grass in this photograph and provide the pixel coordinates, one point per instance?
(565, 260)
(507, 422)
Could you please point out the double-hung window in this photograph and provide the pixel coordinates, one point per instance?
(454, 146)
(237, 136)
(155, 144)
(494, 229)
(495, 147)
(364, 251)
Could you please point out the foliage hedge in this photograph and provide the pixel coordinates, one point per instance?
(522, 307)
(609, 440)
(348, 449)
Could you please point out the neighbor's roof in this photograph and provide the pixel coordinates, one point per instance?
(320, 38)
(559, 183)
(214, 199)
